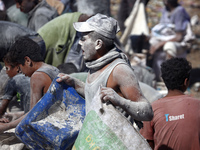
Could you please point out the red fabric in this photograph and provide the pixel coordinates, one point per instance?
(176, 123)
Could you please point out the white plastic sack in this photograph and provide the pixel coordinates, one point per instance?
(105, 128)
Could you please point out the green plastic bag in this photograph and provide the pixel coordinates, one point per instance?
(107, 129)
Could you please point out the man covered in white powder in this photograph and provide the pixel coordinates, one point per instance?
(109, 68)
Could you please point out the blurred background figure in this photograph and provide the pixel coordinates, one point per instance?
(174, 27)
(39, 12)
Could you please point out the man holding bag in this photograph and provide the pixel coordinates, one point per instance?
(108, 69)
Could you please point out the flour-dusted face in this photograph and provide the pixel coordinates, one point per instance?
(88, 48)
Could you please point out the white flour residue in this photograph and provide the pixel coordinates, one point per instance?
(60, 115)
(122, 128)
(53, 88)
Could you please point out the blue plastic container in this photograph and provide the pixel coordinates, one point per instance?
(55, 121)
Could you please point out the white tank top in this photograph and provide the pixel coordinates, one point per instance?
(92, 88)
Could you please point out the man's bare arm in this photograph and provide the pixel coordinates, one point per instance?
(129, 97)
(10, 125)
(37, 86)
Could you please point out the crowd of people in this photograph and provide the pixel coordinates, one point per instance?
(71, 43)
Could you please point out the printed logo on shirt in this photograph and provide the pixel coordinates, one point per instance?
(173, 118)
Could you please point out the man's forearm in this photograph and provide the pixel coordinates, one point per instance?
(14, 115)
(141, 111)
(10, 125)
(79, 86)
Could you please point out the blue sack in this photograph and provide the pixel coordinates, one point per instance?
(55, 121)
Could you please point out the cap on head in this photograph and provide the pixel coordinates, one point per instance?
(102, 24)
(170, 48)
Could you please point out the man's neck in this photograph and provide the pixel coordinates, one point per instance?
(174, 93)
(38, 65)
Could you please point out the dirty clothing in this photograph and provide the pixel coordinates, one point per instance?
(59, 36)
(179, 17)
(4, 79)
(19, 84)
(175, 124)
(51, 71)
(40, 15)
(58, 5)
(92, 88)
(114, 57)
(15, 15)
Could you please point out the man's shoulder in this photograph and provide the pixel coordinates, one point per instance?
(162, 101)
(49, 70)
(179, 10)
(44, 11)
(175, 99)
(122, 66)
(43, 8)
(123, 71)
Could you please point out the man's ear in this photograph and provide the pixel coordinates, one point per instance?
(98, 44)
(18, 69)
(186, 82)
(27, 61)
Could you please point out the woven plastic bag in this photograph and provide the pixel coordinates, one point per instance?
(107, 129)
(55, 121)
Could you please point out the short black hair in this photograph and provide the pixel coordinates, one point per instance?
(24, 46)
(174, 72)
(8, 58)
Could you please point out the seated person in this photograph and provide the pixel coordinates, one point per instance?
(174, 26)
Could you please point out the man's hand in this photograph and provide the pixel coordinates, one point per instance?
(66, 78)
(8, 117)
(4, 120)
(108, 94)
(78, 85)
